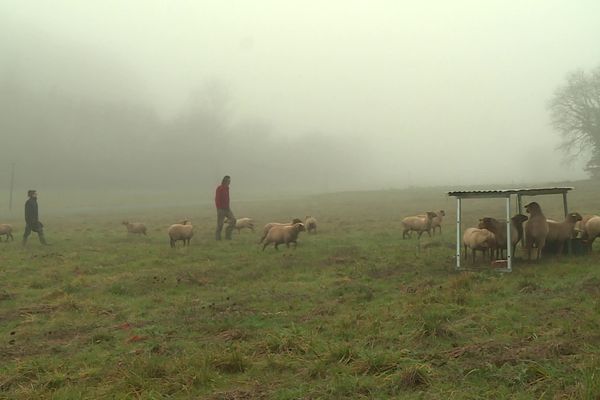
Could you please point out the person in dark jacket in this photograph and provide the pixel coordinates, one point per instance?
(223, 209)
(32, 221)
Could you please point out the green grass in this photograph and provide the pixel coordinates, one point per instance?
(354, 312)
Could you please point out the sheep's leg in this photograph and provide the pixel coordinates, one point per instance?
(264, 246)
(404, 234)
(172, 243)
(276, 246)
(473, 255)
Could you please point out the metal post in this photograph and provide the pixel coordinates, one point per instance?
(458, 241)
(508, 237)
(12, 184)
(519, 204)
(566, 210)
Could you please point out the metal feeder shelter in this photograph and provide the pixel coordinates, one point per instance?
(499, 194)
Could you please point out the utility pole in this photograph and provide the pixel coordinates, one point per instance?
(12, 185)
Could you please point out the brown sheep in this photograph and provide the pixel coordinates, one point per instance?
(311, 224)
(498, 228)
(418, 224)
(284, 234)
(560, 232)
(135, 227)
(536, 229)
(272, 224)
(6, 229)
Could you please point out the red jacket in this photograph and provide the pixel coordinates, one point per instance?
(222, 197)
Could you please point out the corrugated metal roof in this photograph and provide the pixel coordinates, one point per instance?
(509, 192)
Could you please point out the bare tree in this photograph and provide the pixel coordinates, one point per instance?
(575, 110)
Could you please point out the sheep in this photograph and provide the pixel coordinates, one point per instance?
(478, 240)
(272, 224)
(560, 232)
(135, 227)
(418, 224)
(437, 221)
(241, 223)
(536, 229)
(183, 231)
(498, 228)
(592, 231)
(284, 234)
(311, 224)
(6, 229)
(580, 225)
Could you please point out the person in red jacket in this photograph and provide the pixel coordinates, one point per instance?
(223, 209)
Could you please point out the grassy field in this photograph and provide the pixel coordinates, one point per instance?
(353, 312)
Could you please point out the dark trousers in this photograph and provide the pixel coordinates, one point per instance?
(223, 213)
(40, 232)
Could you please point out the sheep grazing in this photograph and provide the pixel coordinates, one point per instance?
(498, 228)
(418, 224)
(536, 229)
(560, 232)
(243, 223)
(311, 224)
(591, 231)
(183, 231)
(272, 224)
(135, 227)
(6, 230)
(284, 234)
(478, 240)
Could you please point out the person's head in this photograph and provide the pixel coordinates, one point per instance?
(32, 194)
(226, 180)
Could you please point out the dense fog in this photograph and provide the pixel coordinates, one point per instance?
(316, 96)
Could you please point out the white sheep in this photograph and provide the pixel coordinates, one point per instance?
(135, 227)
(418, 224)
(560, 232)
(311, 224)
(592, 230)
(478, 239)
(6, 229)
(284, 234)
(536, 229)
(268, 226)
(243, 223)
(183, 231)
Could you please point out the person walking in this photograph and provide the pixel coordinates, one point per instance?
(223, 209)
(32, 221)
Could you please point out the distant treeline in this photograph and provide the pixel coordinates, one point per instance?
(61, 139)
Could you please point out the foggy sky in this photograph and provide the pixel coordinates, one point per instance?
(430, 92)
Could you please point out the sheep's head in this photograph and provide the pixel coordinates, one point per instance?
(185, 222)
(488, 223)
(442, 213)
(125, 222)
(533, 207)
(296, 221)
(299, 226)
(574, 217)
(519, 218)
(431, 215)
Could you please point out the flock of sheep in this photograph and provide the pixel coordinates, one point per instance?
(489, 237)
(273, 233)
(537, 231)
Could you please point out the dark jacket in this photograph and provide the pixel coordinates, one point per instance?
(31, 212)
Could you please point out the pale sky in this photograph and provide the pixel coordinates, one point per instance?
(439, 91)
